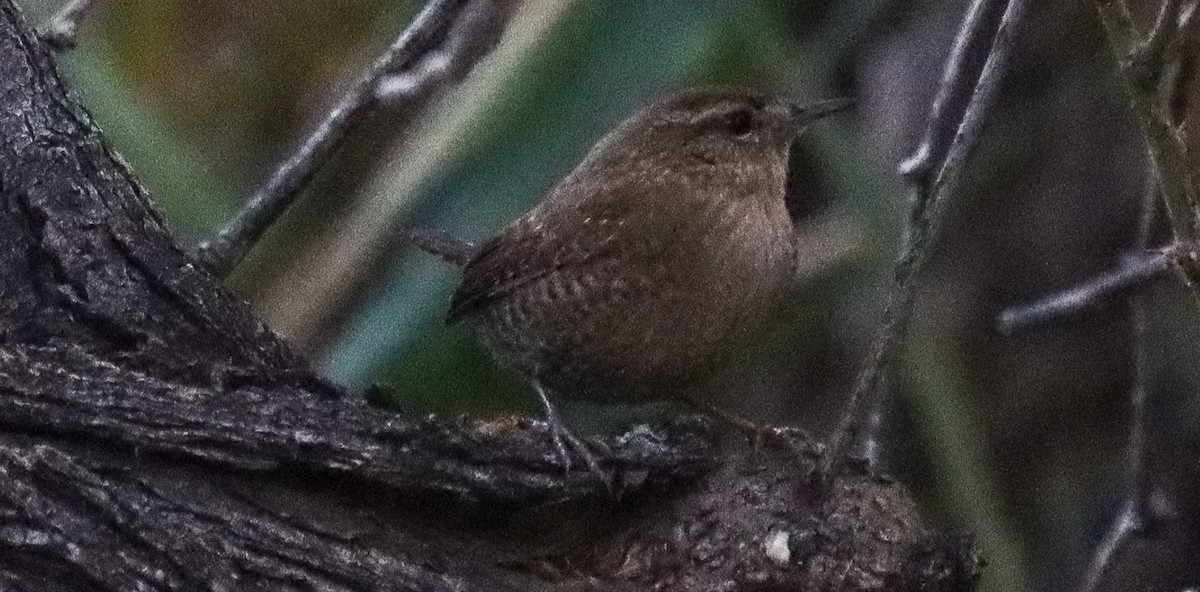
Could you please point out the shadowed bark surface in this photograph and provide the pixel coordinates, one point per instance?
(154, 435)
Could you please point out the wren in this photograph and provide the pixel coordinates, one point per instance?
(653, 263)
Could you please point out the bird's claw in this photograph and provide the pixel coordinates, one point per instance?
(563, 438)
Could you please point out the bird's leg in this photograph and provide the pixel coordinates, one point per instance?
(562, 436)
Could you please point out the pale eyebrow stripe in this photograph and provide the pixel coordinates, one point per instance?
(719, 110)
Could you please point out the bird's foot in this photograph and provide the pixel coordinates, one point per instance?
(563, 437)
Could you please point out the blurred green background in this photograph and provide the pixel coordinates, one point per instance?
(1016, 441)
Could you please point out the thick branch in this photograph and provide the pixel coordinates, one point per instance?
(231, 542)
(250, 426)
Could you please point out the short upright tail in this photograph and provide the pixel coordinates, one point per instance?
(452, 250)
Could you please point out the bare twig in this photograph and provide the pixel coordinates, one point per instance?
(1134, 271)
(427, 46)
(61, 30)
(1164, 143)
(1135, 515)
(472, 36)
(1141, 68)
(1185, 75)
(929, 203)
(971, 48)
(332, 268)
(1148, 60)
(1127, 523)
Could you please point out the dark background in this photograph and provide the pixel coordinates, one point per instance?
(1017, 440)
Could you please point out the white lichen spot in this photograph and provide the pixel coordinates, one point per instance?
(776, 547)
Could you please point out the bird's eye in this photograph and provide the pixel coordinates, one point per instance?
(740, 122)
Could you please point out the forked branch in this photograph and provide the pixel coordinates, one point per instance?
(968, 90)
(441, 45)
(1155, 101)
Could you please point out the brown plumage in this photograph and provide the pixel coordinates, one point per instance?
(652, 263)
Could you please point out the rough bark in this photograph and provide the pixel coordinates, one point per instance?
(154, 435)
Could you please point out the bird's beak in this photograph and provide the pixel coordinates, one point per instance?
(806, 114)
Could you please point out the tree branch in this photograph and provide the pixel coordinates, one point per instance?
(1148, 59)
(1164, 144)
(1135, 271)
(931, 195)
(971, 48)
(441, 45)
(1144, 81)
(1135, 515)
(1144, 67)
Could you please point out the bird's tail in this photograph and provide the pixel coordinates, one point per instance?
(455, 251)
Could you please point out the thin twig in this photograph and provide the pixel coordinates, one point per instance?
(1148, 60)
(929, 203)
(60, 32)
(1186, 72)
(1127, 523)
(1178, 46)
(1134, 271)
(333, 267)
(1138, 268)
(967, 56)
(421, 42)
(1164, 143)
(1135, 516)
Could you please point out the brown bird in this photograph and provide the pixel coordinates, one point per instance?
(653, 263)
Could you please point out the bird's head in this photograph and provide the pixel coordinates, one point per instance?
(725, 116)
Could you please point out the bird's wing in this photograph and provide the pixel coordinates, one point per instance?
(533, 247)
